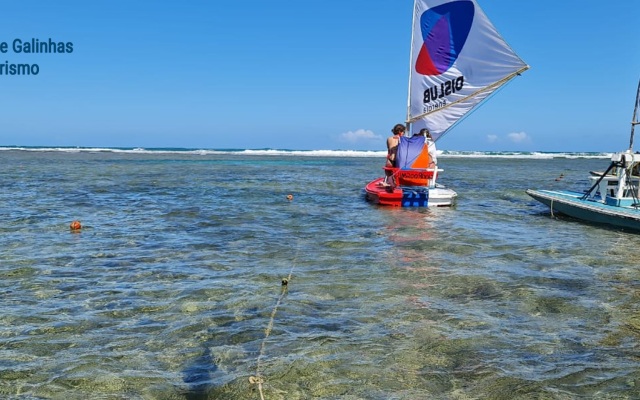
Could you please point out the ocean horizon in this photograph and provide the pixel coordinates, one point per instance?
(309, 153)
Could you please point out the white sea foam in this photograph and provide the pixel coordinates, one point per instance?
(312, 153)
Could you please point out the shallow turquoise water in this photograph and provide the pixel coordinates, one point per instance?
(173, 288)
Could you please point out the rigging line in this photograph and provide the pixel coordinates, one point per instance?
(595, 185)
(496, 85)
(258, 378)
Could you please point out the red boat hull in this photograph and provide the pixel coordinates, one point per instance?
(377, 193)
(409, 196)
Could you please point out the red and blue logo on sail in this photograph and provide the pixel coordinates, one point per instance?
(445, 29)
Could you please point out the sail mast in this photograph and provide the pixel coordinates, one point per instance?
(408, 119)
(634, 119)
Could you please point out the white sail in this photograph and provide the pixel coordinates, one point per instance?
(458, 59)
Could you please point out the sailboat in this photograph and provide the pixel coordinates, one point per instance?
(457, 61)
(613, 197)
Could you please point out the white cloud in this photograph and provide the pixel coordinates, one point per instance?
(492, 138)
(519, 137)
(361, 135)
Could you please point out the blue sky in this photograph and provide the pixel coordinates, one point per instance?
(306, 75)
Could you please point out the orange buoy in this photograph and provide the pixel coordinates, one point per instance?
(289, 197)
(75, 226)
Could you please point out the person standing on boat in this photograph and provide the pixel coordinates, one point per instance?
(392, 148)
(433, 156)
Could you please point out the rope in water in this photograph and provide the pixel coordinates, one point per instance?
(258, 378)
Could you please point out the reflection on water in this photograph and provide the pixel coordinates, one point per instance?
(169, 289)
